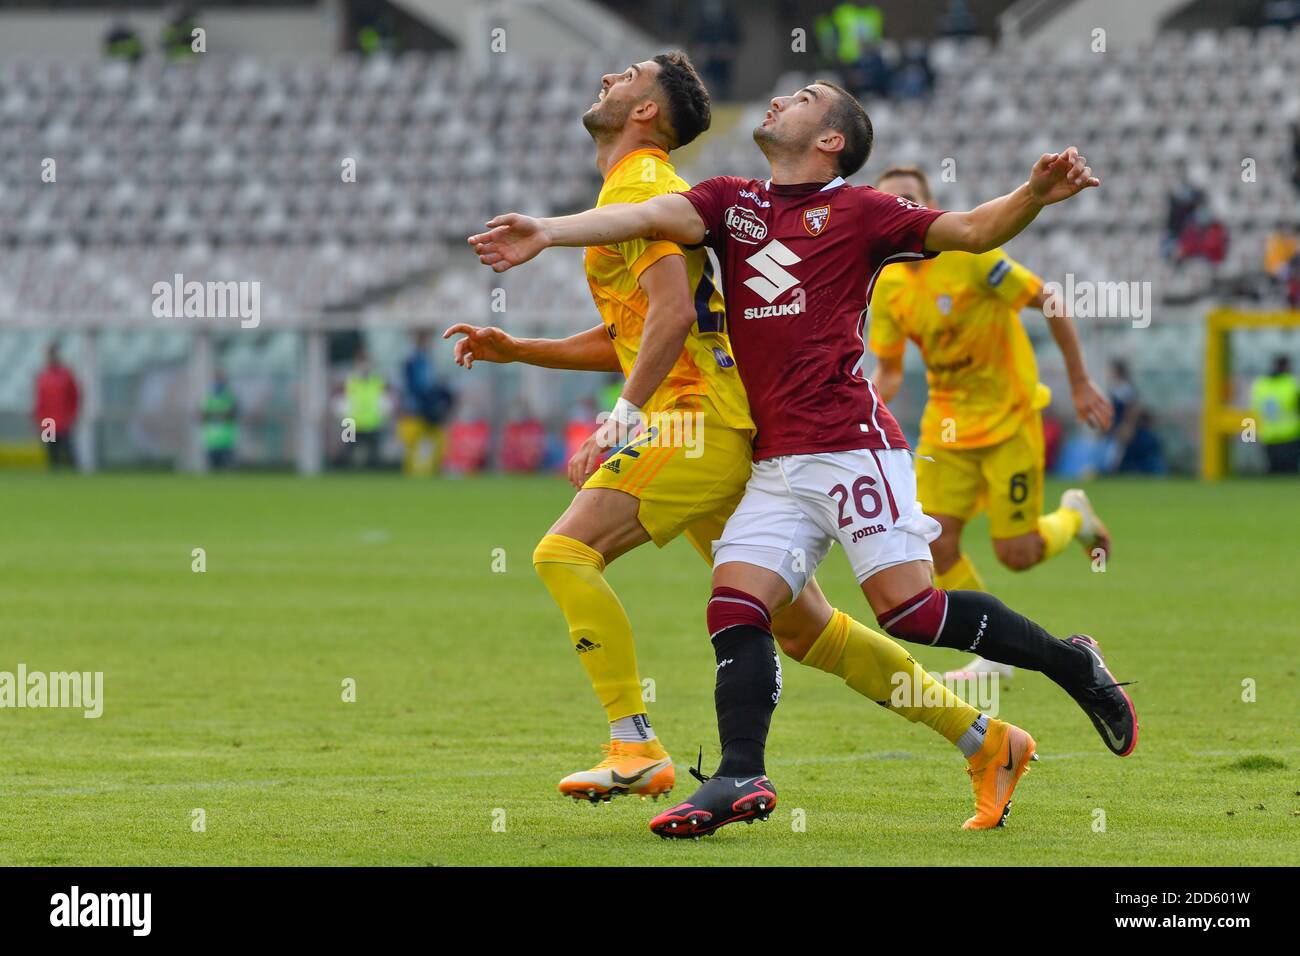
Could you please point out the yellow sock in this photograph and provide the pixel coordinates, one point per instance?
(868, 661)
(1057, 530)
(598, 625)
(962, 576)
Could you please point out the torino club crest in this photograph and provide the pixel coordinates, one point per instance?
(814, 220)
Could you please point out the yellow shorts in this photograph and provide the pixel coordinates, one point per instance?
(425, 445)
(688, 470)
(1005, 479)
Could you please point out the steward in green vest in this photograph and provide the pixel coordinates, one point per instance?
(365, 390)
(123, 43)
(220, 424)
(857, 28)
(1275, 402)
(365, 393)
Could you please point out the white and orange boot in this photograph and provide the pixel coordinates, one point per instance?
(643, 769)
(1092, 531)
(994, 772)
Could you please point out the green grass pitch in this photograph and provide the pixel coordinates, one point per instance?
(223, 690)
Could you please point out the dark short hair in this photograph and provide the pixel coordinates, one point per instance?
(847, 117)
(689, 113)
(913, 171)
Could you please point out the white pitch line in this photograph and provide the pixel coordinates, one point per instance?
(38, 790)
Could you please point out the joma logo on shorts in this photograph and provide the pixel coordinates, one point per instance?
(867, 532)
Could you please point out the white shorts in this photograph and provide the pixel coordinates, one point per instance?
(797, 506)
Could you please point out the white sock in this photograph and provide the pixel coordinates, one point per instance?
(635, 729)
(972, 740)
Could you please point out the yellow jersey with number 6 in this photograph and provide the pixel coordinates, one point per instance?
(962, 311)
(706, 366)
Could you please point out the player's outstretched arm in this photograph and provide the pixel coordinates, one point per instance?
(1090, 404)
(1056, 176)
(512, 239)
(589, 351)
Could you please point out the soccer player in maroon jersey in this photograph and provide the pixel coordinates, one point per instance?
(799, 254)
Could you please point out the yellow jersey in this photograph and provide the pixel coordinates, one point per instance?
(962, 311)
(706, 365)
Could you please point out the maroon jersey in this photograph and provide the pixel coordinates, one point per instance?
(798, 264)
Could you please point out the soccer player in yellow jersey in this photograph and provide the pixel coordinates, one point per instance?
(981, 442)
(664, 328)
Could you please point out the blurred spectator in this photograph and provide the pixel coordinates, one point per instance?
(848, 38)
(1143, 454)
(220, 416)
(122, 42)
(1128, 410)
(467, 447)
(913, 78)
(1275, 403)
(426, 405)
(958, 21)
(1185, 200)
(376, 30)
(57, 402)
(1281, 13)
(523, 441)
(1280, 252)
(366, 396)
(1282, 262)
(1053, 434)
(1295, 154)
(1204, 237)
(716, 38)
(178, 33)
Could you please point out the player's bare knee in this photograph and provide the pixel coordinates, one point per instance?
(794, 646)
(945, 553)
(1019, 554)
(945, 550)
(795, 641)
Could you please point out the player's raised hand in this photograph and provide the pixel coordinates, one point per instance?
(511, 240)
(1092, 406)
(481, 343)
(1058, 176)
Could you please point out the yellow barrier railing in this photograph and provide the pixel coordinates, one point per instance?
(1220, 421)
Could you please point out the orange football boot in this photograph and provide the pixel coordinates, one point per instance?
(995, 771)
(628, 768)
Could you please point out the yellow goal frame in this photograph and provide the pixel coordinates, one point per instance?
(1219, 420)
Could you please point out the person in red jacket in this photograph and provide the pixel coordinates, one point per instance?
(55, 408)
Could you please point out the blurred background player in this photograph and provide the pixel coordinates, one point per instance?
(666, 332)
(1275, 402)
(981, 444)
(220, 415)
(426, 404)
(57, 402)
